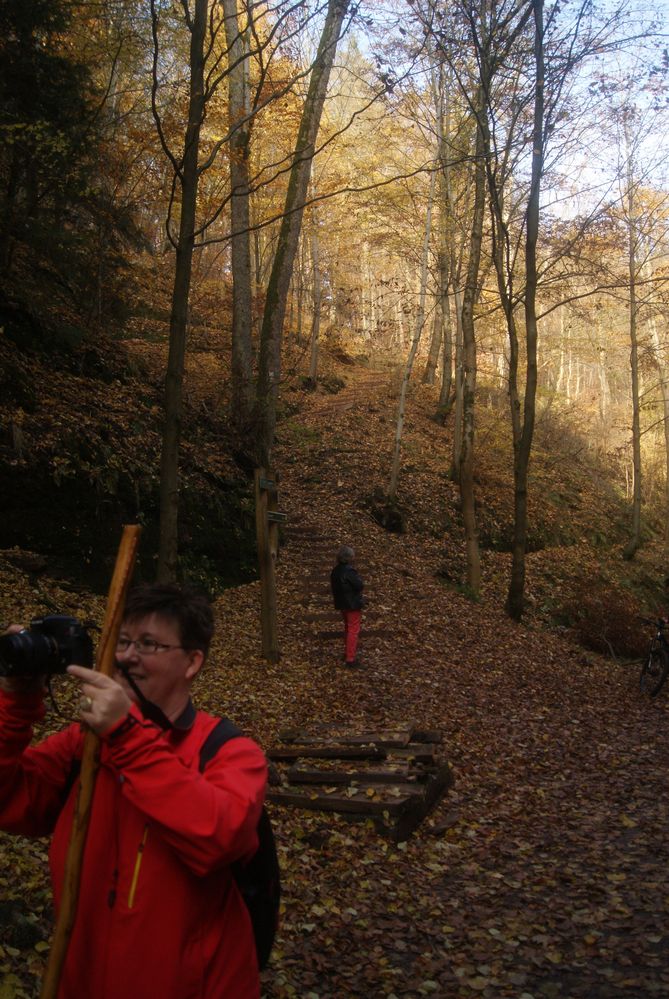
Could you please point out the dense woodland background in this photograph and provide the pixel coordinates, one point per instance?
(195, 201)
(415, 258)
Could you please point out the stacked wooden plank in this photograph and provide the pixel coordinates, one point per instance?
(392, 776)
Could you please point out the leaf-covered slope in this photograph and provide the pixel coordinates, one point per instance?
(80, 436)
(543, 873)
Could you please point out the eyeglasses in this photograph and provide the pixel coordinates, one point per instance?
(145, 646)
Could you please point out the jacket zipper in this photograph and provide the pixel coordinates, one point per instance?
(138, 864)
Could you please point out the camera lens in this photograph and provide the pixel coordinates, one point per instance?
(26, 654)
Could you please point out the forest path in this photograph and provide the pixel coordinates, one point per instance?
(314, 555)
(363, 384)
(327, 481)
(544, 874)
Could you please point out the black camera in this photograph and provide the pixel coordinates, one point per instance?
(48, 647)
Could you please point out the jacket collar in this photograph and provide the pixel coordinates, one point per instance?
(186, 719)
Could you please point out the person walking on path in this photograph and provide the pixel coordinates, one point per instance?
(347, 587)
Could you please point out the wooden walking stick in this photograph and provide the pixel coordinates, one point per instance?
(125, 561)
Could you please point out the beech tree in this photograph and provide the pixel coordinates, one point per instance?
(522, 102)
(239, 116)
(418, 329)
(209, 64)
(186, 177)
(271, 334)
(637, 215)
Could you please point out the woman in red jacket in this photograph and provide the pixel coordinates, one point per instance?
(159, 911)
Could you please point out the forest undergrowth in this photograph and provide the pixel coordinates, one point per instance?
(544, 871)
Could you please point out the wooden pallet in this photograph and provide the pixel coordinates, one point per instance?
(391, 776)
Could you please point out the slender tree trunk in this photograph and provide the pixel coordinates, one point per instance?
(269, 366)
(663, 375)
(238, 114)
(522, 437)
(660, 354)
(604, 390)
(420, 321)
(430, 373)
(454, 277)
(441, 297)
(371, 329)
(399, 337)
(169, 462)
(446, 393)
(560, 375)
(318, 295)
(302, 271)
(466, 467)
(459, 389)
(634, 542)
(256, 263)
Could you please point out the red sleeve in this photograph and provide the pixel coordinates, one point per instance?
(32, 778)
(208, 819)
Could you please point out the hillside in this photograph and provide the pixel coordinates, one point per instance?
(80, 440)
(543, 872)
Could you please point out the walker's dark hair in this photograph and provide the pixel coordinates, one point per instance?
(190, 610)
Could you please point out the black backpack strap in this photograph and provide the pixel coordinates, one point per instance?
(222, 732)
(259, 878)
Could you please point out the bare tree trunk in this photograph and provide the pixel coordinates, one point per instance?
(663, 374)
(660, 355)
(318, 295)
(269, 365)
(441, 299)
(418, 329)
(634, 542)
(430, 373)
(466, 467)
(446, 392)
(256, 263)
(240, 131)
(459, 391)
(454, 271)
(604, 389)
(371, 327)
(169, 461)
(522, 436)
(399, 336)
(560, 375)
(300, 280)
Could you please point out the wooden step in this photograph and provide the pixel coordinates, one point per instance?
(390, 775)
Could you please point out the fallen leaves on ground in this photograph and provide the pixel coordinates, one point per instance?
(543, 873)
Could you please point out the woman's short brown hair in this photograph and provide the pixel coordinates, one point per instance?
(188, 609)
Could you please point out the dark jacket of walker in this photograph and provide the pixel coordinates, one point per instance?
(346, 587)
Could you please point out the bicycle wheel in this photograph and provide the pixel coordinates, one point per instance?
(655, 670)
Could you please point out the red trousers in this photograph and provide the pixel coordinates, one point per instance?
(351, 632)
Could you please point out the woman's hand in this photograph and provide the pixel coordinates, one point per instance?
(104, 702)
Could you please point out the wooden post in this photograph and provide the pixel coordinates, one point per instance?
(267, 535)
(105, 659)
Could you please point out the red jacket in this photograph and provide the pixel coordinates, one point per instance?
(159, 912)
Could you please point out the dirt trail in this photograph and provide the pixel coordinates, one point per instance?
(363, 385)
(546, 872)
